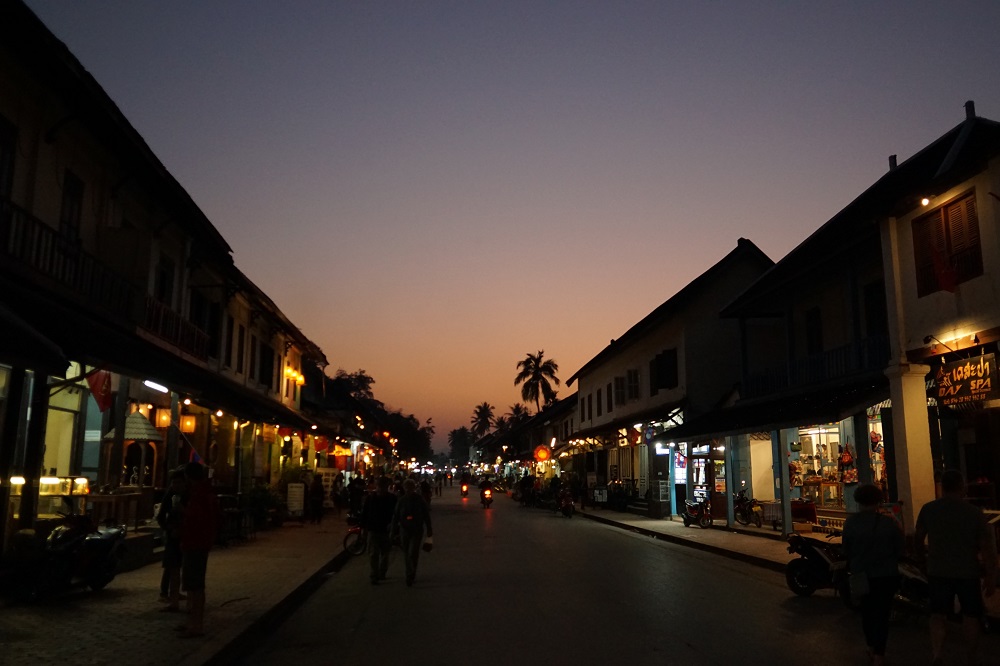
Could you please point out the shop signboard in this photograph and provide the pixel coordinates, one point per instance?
(296, 499)
(966, 380)
(663, 491)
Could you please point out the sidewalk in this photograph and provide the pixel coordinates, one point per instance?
(250, 586)
(761, 547)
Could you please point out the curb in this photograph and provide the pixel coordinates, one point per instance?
(253, 635)
(724, 552)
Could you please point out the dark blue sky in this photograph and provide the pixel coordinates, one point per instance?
(430, 190)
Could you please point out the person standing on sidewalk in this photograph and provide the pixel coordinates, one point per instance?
(872, 545)
(961, 550)
(199, 528)
(169, 519)
(376, 519)
(411, 517)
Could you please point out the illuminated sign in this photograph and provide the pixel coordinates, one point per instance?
(969, 380)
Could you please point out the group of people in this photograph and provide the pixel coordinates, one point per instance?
(961, 558)
(190, 517)
(390, 516)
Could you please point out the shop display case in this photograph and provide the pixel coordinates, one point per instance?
(56, 495)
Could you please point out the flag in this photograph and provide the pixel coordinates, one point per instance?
(100, 388)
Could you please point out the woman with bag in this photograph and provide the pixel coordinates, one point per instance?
(872, 546)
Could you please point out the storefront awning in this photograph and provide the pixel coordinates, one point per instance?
(827, 405)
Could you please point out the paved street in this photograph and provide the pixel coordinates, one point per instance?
(523, 584)
(499, 584)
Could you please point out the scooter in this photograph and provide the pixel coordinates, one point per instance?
(486, 497)
(356, 539)
(75, 553)
(566, 505)
(747, 510)
(699, 513)
(820, 565)
(465, 490)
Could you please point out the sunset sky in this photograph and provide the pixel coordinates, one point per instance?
(431, 190)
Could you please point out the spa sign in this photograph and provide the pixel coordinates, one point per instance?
(969, 380)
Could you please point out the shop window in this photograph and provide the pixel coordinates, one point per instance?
(71, 212)
(608, 397)
(8, 147)
(946, 249)
(632, 384)
(599, 403)
(619, 390)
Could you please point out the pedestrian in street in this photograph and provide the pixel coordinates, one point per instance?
(961, 562)
(376, 519)
(873, 544)
(411, 518)
(337, 491)
(169, 519)
(317, 495)
(356, 494)
(199, 528)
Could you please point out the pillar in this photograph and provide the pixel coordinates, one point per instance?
(914, 469)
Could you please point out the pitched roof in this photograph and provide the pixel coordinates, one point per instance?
(672, 306)
(951, 159)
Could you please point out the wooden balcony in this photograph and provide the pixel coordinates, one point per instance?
(868, 355)
(32, 250)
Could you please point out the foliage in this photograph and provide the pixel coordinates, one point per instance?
(459, 441)
(536, 376)
(482, 419)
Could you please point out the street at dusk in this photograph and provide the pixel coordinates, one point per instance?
(703, 298)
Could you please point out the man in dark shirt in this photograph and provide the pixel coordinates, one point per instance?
(411, 517)
(376, 518)
(960, 548)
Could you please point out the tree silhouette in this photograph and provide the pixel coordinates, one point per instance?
(459, 441)
(482, 419)
(536, 375)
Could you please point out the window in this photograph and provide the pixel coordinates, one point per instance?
(608, 398)
(214, 330)
(72, 206)
(619, 390)
(240, 348)
(8, 147)
(946, 248)
(663, 371)
(230, 325)
(590, 406)
(632, 384)
(198, 311)
(599, 403)
(814, 332)
(163, 283)
(253, 357)
(876, 317)
(266, 365)
(583, 409)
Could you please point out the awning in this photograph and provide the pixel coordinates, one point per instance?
(655, 414)
(138, 428)
(827, 405)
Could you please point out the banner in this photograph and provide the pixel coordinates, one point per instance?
(969, 380)
(100, 388)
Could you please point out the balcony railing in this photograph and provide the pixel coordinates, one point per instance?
(29, 245)
(855, 358)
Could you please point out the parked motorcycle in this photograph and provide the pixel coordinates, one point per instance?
(747, 510)
(75, 553)
(820, 565)
(697, 512)
(356, 539)
(486, 497)
(566, 506)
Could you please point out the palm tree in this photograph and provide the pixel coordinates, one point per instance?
(459, 441)
(518, 414)
(537, 376)
(482, 419)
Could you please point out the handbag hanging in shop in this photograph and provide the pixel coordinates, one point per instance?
(795, 447)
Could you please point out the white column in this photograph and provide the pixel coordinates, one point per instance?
(911, 439)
